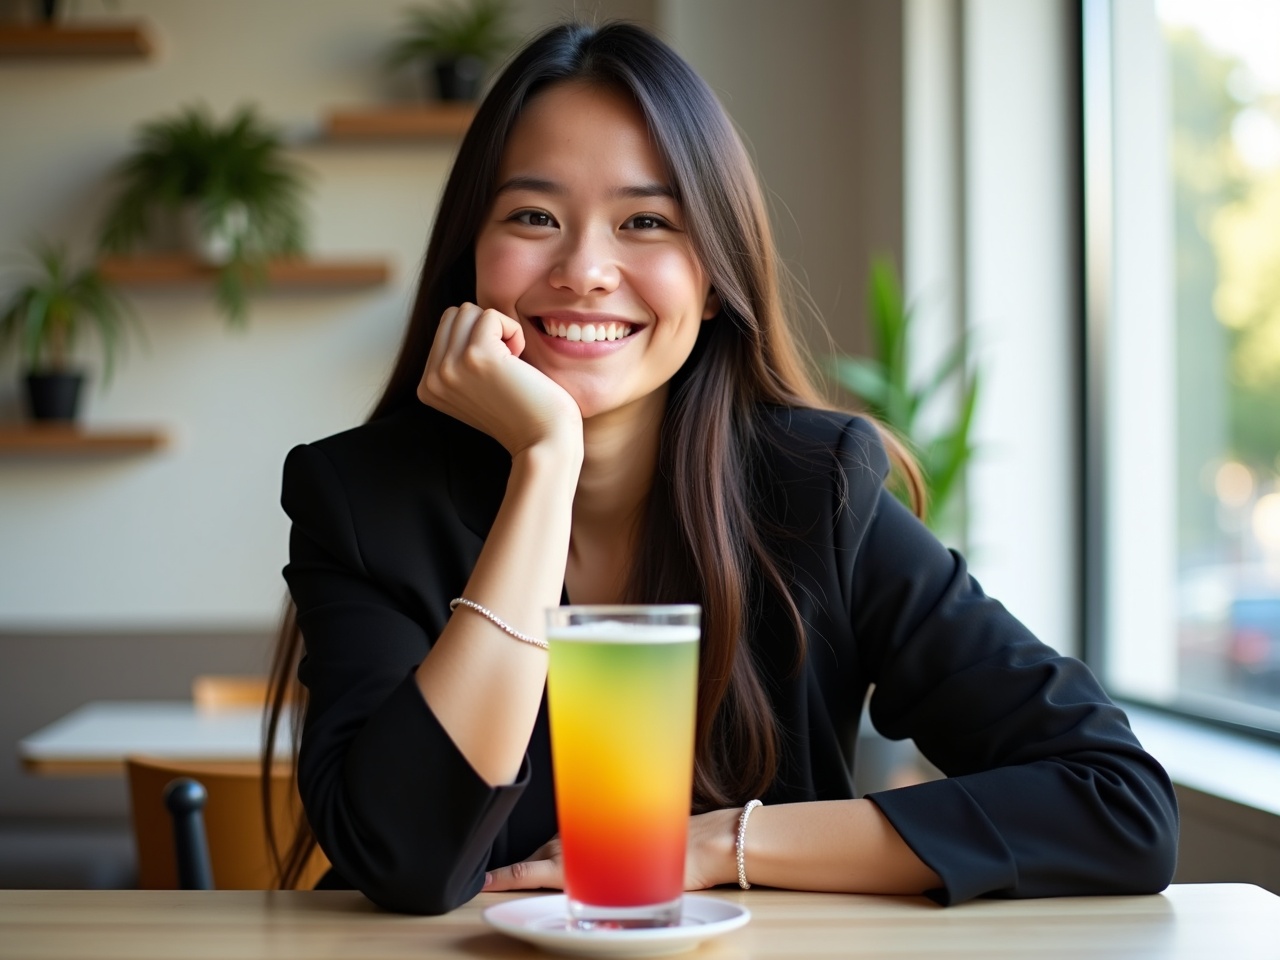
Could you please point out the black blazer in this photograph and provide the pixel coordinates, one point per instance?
(1047, 790)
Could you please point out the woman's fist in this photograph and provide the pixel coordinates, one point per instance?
(474, 373)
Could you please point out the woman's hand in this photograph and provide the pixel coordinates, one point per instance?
(709, 858)
(474, 373)
(543, 869)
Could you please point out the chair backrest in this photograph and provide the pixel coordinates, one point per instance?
(213, 692)
(237, 838)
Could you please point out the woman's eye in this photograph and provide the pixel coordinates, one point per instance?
(534, 218)
(646, 221)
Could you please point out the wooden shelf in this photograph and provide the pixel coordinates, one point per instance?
(180, 270)
(60, 438)
(23, 41)
(418, 122)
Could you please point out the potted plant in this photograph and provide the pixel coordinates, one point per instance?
(233, 195)
(460, 38)
(883, 384)
(44, 320)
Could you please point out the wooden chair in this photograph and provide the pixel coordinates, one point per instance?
(237, 838)
(213, 692)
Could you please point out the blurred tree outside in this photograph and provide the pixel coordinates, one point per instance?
(1247, 238)
(1227, 249)
(1206, 176)
(1225, 105)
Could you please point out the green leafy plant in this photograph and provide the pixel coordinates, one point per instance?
(883, 384)
(46, 316)
(245, 194)
(449, 31)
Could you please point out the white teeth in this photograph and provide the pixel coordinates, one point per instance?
(587, 333)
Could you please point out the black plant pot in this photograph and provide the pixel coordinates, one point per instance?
(53, 396)
(459, 79)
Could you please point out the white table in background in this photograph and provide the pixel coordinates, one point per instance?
(95, 739)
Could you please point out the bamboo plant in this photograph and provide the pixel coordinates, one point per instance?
(883, 383)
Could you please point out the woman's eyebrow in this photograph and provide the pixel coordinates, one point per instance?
(532, 184)
(641, 191)
(638, 191)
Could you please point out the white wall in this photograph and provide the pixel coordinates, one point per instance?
(989, 257)
(933, 204)
(193, 537)
(1021, 309)
(1141, 512)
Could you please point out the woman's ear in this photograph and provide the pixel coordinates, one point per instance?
(712, 306)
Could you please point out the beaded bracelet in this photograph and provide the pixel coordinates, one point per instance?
(740, 845)
(497, 621)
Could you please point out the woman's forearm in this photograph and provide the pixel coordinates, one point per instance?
(483, 685)
(845, 846)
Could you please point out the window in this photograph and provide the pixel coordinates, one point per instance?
(1181, 113)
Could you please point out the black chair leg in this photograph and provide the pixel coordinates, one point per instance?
(185, 799)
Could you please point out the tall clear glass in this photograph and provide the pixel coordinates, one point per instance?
(622, 695)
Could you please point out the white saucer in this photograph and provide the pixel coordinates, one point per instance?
(543, 921)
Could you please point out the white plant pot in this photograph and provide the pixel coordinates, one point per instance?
(214, 245)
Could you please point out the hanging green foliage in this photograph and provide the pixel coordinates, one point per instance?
(245, 195)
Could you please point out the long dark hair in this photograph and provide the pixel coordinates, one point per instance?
(699, 541)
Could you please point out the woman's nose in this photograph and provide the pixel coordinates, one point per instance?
(587, 263)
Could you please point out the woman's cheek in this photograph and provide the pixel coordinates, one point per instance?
(672, 281)
(504, 272)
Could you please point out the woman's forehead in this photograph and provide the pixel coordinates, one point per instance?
(576, 129)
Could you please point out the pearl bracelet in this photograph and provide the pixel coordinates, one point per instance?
(497, 621)
(740, 845)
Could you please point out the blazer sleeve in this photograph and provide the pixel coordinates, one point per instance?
(1047, 791)
(398, 810)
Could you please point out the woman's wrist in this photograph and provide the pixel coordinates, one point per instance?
(559, 453)
(718, 847)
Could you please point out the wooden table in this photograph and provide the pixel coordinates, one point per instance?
(1218, 921)
(94, 739)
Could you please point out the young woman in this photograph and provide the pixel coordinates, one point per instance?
(598, 400)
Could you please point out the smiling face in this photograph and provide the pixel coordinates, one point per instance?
(586, 247)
